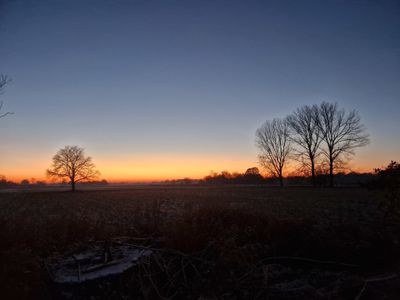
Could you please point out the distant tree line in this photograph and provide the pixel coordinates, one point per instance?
(252, 176)
(4, 183)
(341, 179)
(319, 138)
(32, 183)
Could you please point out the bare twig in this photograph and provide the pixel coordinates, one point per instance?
(310, 260)
(375, 279)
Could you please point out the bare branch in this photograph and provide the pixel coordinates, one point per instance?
(272, 139)
(4, 80)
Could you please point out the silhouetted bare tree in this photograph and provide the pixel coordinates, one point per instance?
(71, 163)
(4, 80)
(341, 131)
(273, 141)
(306, 135)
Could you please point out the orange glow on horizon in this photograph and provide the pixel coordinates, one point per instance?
(147, 167)
(153, 169)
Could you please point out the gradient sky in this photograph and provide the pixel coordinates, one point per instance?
(168, 89)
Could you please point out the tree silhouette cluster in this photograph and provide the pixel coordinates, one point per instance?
(318, 137)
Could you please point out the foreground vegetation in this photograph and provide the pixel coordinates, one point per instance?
(233, 227)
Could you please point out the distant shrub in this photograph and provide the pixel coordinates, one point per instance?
(251, 176)
(4, 183)
(25, 182)
(388, 177)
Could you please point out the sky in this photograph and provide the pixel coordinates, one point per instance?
(168, 89)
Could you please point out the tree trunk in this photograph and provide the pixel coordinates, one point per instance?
(281, 180)
(73, 185)
(330, 173)
(313, 173)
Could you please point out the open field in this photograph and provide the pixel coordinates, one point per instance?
(234, 227)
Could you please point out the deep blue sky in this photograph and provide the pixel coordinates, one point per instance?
(147, 83)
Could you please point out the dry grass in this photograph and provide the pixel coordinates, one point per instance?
(243, 224)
